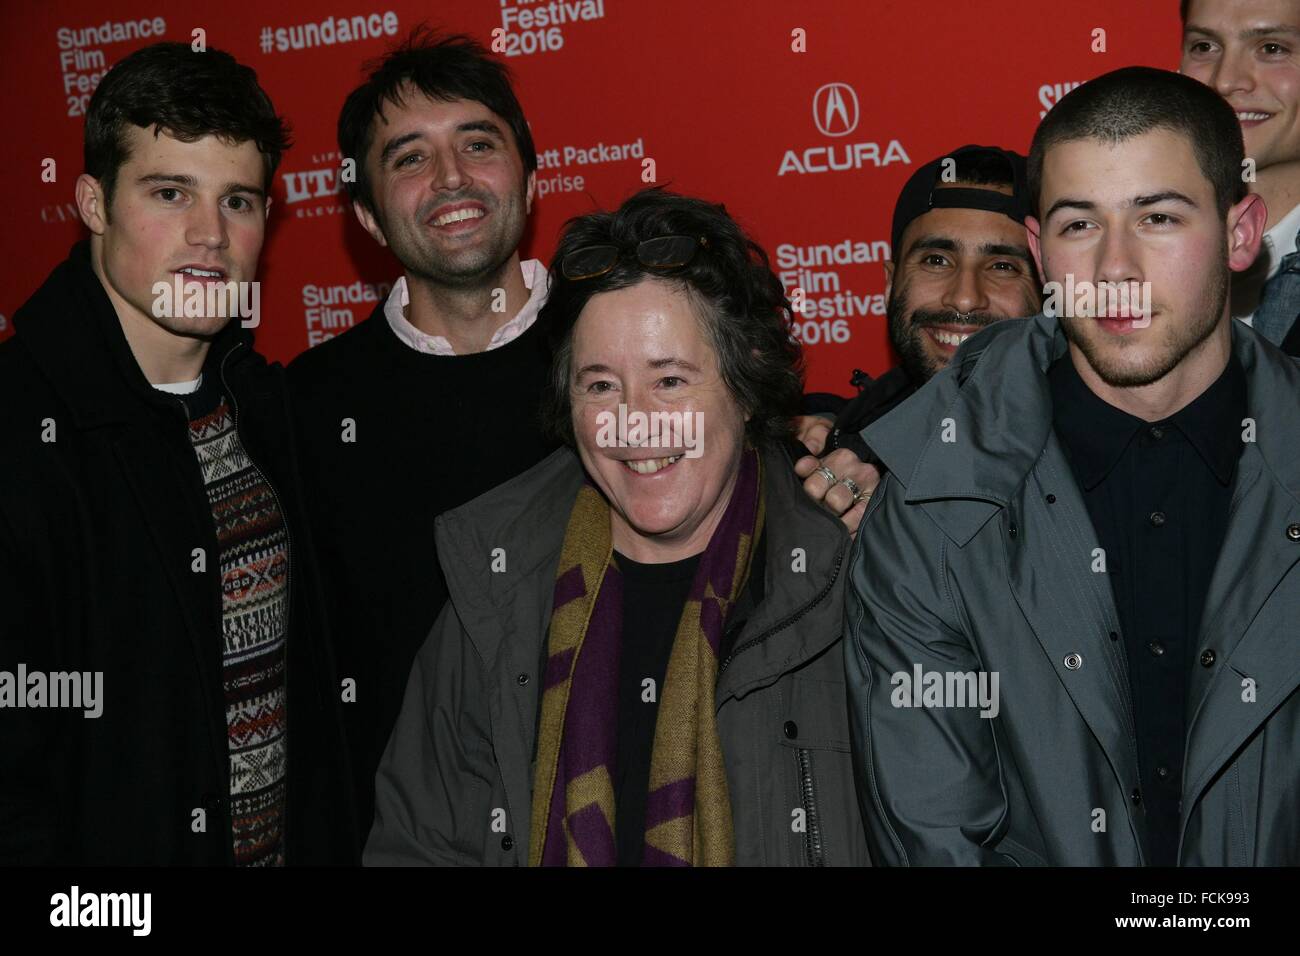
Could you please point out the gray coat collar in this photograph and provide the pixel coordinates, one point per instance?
(995, 401)
(522, 522)
(996, 398)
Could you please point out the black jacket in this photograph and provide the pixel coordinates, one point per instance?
(876, 398)
(431, 433)
(97, 530)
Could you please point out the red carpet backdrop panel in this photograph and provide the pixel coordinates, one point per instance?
(804, 118)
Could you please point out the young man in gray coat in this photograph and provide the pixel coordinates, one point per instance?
(1071, 617)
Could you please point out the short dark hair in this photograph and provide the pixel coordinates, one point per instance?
(454, 67)
(1182, 9)
(984, 169)
(1136, 100)
(741, 303)
(174, 89)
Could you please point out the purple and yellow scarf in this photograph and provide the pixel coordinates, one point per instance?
(688, 811)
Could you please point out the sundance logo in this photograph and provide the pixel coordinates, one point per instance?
(835, 114)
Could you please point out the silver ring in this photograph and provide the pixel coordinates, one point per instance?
(858, 493)
(828, 475)
(853, 487)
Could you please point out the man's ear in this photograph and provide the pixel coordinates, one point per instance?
(368, 221)
(532, 189)
(889, 277)
(1032, 228)
(266, 214)
(1246, 222)
(91, 204)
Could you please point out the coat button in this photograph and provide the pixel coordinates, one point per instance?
(1293, 532)
(521, 680)
(1136, 796)
(507, 842)
(1114, 635)
(213, 802)
(1051, 499)
(1157, 518)
(791, 729)
(1162, 772)
(1012, 531)
(1156, 648)
(1207, 657)
(1157, 432)
(1073, 661)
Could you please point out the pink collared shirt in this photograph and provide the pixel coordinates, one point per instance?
(535, 280)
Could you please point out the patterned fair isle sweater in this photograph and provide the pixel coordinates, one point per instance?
(254, 556)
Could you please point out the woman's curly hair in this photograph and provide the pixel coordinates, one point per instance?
(740, 302)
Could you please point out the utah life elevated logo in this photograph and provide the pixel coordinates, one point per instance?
(316, 191)
(835, 114)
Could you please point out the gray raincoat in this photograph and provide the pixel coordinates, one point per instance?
(964, 565)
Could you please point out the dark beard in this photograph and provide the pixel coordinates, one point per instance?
(905, 331)
(482, 273)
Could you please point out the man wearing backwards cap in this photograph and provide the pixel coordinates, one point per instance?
(960, 261)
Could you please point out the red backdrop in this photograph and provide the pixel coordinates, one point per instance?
(807, 149)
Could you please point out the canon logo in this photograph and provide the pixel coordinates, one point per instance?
(835, 109)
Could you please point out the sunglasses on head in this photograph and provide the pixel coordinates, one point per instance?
(662, 252)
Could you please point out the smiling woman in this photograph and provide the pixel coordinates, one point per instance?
(669, 583)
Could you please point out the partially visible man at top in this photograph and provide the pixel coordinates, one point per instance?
(1249, 50)
(152, 538)
(435, 398)
(960, 261)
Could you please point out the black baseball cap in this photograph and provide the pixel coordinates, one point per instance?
(920, 194)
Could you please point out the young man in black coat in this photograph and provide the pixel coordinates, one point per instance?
(167, 694)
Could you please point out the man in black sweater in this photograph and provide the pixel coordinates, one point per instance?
(155, 561)
(432, 400)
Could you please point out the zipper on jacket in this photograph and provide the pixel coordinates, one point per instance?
(288, 597)
(814, 848)
(783, 624)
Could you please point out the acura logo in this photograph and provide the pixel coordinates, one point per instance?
(835, 109)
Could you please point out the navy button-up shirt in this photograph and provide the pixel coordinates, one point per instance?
(1158, 495)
